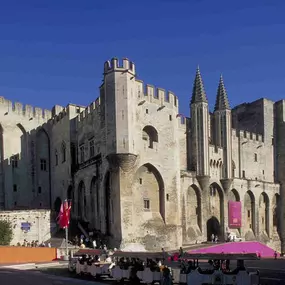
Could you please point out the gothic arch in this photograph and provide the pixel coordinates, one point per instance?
(194, 206)
(20, 126)
(43, 163)
(149, 186)
(276, 213)
(234, 196)
(150, 134)
(192, 214)
(82, 202)
(249, 211)
(213, 227)
(216, 211)
(263, 211)
(95, 201)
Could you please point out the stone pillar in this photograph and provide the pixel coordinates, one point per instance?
(204, 182)
(255, 225)
(226, 183)
(121, 166)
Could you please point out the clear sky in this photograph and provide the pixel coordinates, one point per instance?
(52, 52)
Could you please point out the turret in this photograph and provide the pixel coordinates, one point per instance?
(199, 129)
(223, 130)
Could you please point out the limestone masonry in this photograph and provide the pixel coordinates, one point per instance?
(29, 225)
(142, 173)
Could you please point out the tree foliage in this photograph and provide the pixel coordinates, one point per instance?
(6, 232)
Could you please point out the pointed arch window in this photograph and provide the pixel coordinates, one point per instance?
(63, 152)
(56, 157)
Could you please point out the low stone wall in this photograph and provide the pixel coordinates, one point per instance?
(15, 254)
(29, 225)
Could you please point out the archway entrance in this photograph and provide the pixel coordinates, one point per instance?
(213, 227)
(57, 204)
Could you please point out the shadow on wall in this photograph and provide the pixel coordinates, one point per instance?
(24, 164)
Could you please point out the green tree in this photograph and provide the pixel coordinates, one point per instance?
(6, 232)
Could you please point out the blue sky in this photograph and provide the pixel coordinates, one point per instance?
(52, 52)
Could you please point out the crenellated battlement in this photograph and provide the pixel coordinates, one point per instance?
(91, 109)
(27, 111)
(159, 96)
(58, 116)
(119, 65)
(247, 136)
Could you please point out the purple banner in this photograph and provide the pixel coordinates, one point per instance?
(234, 214)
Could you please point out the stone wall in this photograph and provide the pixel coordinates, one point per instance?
(40, 225)
(124, 174)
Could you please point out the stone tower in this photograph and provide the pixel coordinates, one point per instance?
(223, 132)
(119, 84)
(119, 99)
(279, 143)
(200, 131)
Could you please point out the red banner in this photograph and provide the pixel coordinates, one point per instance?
(234, 214)
(64, 214)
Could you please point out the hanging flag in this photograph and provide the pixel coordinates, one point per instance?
(64, 214)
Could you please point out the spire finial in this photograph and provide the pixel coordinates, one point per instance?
(198, 93)
(222, 101)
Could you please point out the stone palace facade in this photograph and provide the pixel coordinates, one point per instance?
(141, 172)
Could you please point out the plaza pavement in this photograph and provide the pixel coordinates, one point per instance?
(20, 277)
(272, 272)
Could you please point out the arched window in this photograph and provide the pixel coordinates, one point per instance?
(150, 135)
(63, 152)
(56, 157)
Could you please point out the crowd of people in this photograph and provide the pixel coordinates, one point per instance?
(34, 243)
(94, 242)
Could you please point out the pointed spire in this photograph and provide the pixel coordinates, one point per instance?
(222, 101)
(198, 94)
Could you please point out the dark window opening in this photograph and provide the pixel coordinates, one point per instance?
(170, 118)
(56, 158)
(248, 213)
(140, 181)
(15, 188)
(91, 148)
(146, 111)
(43, 164)
(146, 204)
(167, 197)
(39, 189)
(14, 161)
(63, 152)
(82, 154)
